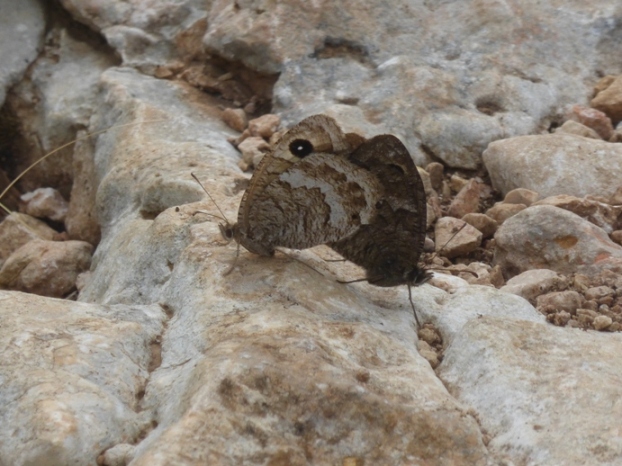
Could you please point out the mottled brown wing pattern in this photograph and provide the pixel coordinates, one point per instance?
(389, 247)
(306, 192)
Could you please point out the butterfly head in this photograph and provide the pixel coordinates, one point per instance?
(227, 231)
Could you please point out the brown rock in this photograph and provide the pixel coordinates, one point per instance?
(456, 183)
(235, 118)
(547, 237)
(81, 221)
(599, 292)
(253, 149)
(560, 318)
(264, 126)
(616, 197)
(44, 203)
(603, 83)
(17, 229)
(436, 170)
(617, 135)
(568, 301)
(593, 118)
(428, 353)
(466, 201)
(578, 129)
(47, 268)
(609, 100)
(483, 223)
(237, 141)
(602, 322)
(616, 236)
(500, 212)
(533, 283)
(467, 240)
(599, 213)
(521, 196)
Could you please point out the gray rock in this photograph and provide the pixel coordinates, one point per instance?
(532, 283)
(58, 96)
(22, 26)
(555, 164)
(550, 402)
(552, 238)
(72, 376)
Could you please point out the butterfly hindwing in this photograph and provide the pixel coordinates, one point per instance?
(389, 247)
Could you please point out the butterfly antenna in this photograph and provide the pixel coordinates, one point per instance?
(412, 304)
(224, 217)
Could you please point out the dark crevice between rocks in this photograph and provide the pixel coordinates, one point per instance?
(149, 215)
(9, 127)
(335, 47)
(430, 153)
(489, 105)
(233, 83)
(155, 361)
(59, 18)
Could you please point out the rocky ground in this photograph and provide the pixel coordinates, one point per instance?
(124, 342)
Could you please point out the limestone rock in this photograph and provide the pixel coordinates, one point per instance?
(235, 118)
(555, 164)
(521, 196)
(72, 377)
(45, 203)
(81, 221)
(483, 223)
(47, 268)
(51, 103)
(501, 211)
(552, 238)
(532, 283)
(593, 119)
(553, 421)
(609, 100)
(264, 126)
(466, 238)
(578, 129)
(599, 213)
(17, 229)
(22, 27)
(466, 201)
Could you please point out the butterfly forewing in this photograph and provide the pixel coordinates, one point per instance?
(306, 192)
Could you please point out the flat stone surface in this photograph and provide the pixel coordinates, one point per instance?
(72, 376)
(544, 394)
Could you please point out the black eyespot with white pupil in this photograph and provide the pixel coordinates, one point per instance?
(301, 147)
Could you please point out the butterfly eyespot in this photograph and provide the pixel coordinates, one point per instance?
(300, 147)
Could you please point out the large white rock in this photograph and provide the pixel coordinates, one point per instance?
(72, 377)
(555, 164)
(547, 237)
(545, 395)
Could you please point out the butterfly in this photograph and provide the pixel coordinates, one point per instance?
(305, 192)
(363, 198)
